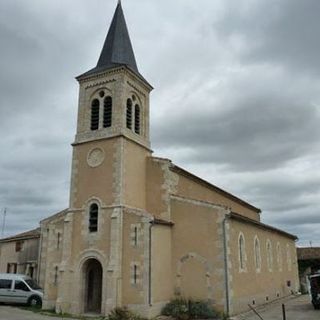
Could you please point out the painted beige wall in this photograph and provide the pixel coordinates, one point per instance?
(161, 265)
(99, 182)
(135, 174)
(191, 189)
(50, 257)
(252, 285)
(29, 253)
(157, 183)
(197, 243)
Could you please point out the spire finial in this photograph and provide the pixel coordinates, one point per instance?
(119, 2)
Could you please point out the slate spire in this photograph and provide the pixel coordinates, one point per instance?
(117, 49)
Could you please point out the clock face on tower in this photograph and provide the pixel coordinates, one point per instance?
(95, 157)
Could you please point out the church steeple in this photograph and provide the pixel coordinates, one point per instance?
(114, 97)
(117, 49)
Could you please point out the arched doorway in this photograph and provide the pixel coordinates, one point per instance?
(92, 275)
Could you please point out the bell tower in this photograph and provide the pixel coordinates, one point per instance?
(112, 138)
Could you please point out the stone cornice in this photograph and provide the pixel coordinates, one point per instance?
(116, 70)
(112, 136)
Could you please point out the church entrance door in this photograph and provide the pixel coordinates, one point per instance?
(93, 286)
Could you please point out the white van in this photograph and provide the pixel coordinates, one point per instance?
(19, 288)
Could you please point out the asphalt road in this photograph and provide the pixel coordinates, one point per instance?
(12, 313)
(299, 308)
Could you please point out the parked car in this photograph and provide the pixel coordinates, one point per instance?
(315, 290)
(19, 288)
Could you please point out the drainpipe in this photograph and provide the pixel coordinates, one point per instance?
(150, 261)
(226, 271)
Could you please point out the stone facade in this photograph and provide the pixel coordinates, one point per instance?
(19, 254)
(140, 230)
(309, 263)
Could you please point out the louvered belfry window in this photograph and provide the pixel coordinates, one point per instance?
(107, 115)
(129, 114)
(93, 218)
(95, 114)
(137, 119)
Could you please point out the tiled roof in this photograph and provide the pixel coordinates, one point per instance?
(35, 233)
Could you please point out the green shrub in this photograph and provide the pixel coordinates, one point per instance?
(177, 308)
(189, 309)
(123, 314)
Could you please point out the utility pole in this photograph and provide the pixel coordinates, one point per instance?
(3, 222)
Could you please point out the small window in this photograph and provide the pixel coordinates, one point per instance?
(58, 240)
(93, 219)
(12, 268)
(31, 271)
(55, 281)
(137, 119)
(129, 114)
(107, 115)
(242, 253)
(135, 239)
(19, 285)
(95, 106)
(135, 274)
(5, 284)
(19, 245)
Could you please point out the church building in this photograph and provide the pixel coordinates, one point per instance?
(140, 230)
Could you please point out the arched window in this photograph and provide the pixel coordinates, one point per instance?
(107, 113)
(257, 254)
(279, 257)
(95, 106)
(137, 119)
(242, 253)
(93, 217)
(269, 255)
(289, 257)
(129, 114)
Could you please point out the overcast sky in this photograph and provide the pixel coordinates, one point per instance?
(236, 99)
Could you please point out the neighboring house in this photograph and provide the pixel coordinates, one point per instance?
(19, 253)
(309, 263)
(140, 230)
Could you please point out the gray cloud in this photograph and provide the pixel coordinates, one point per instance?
(283, 33)
(261, 128)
